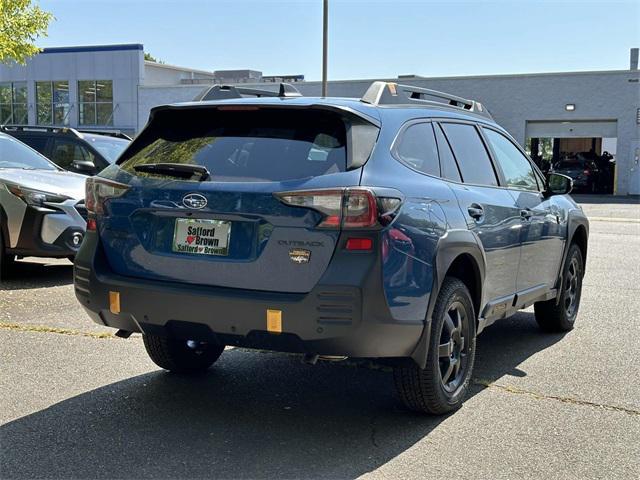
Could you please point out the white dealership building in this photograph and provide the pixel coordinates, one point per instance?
(113, 87)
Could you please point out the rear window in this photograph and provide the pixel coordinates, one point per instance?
(243, 146)
(109, 147)
(571, 164)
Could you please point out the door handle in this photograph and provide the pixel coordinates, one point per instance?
(475, 211)
(526, 213)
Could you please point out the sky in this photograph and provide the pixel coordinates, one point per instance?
(367, 39)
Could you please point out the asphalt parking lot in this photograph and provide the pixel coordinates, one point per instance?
(77, 402)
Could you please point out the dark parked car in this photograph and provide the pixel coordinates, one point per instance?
(582, 170)
(394, 227)
(81, 151)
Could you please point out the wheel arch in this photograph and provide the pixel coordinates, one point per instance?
(580, 238)
(465, 268)
(458, 254)
(578, 233)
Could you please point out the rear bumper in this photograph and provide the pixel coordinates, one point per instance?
(344, 315)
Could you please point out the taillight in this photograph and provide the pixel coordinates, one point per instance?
(326, 202)
(587, 172)
(361, 210)
(347, 208)
(97, 192)
(92, 226)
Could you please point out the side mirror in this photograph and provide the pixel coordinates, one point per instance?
(558, 184)
(83, 165)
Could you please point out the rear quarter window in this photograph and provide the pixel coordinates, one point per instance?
(255, 145)
(416, 147)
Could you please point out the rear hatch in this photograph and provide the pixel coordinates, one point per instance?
(229, 229)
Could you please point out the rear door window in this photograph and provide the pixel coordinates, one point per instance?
(417, 148)
(471, 154)
(65, 152)
(447, 160)
(248, 145)
(38, 143)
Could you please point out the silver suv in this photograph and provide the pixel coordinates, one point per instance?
(41, 206)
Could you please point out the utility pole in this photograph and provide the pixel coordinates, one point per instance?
(325, 28)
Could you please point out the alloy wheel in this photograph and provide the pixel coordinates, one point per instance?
(572, 287)
(453, 348)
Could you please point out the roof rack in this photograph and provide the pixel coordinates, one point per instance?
(40, 128)
(224, 92)
(389, 93)
(76, 132)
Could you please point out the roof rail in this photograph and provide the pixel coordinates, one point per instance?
(41, 128)
(223, 92)
(106, 132)
(389, 93)
(77, 132)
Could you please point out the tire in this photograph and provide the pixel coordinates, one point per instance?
(560, 316)
(424, 390)
(181, 356)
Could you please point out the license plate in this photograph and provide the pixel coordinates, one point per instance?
(202, 237)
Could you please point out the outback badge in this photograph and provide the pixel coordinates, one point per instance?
(299, 255)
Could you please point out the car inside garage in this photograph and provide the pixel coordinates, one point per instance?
(583, 150)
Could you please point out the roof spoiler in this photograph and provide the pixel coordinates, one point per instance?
(224, 92)
(389, 93)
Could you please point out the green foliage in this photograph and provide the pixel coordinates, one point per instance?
(21, 22)
(150, 58)
(165, 151)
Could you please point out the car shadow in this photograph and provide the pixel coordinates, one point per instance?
(25, 275)
(254, 415)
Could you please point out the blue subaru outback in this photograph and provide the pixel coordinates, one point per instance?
(394, 227)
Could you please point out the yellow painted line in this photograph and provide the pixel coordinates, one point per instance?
(21, 327)
(541, 396)
(614, 219)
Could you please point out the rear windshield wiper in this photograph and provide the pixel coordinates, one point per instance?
(178, 170)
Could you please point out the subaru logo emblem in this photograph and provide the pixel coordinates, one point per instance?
(194, 200)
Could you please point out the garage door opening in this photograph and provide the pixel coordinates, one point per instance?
(589, 161)
(585, 150)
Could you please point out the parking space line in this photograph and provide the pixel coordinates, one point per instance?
(614, 219)
(21, 327)
(541, 396)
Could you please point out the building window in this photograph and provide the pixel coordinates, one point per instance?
(95, 98)
(13, 103)
(52, 103)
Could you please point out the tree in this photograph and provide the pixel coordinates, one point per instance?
(21, 22)
(150, 58)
